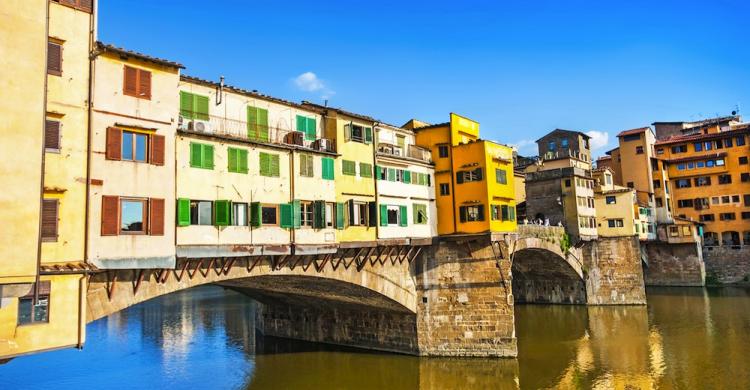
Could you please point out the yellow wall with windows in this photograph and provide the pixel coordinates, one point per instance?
(432, 138)
(621, 209)
(23, 33)
(500, 157)
(361, 189)
(463, 129)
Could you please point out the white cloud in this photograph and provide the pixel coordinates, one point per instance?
(599, 139)
(525, 147)
(309, 82)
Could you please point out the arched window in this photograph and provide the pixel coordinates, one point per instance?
(710, 239)
(730, 238)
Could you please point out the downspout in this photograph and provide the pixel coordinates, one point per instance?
(375, 180)
(453, 179)
(41, 179)
(292, 235)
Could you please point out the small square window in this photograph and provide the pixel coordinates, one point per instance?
(443, 151)
(269, 215)
(445, 189)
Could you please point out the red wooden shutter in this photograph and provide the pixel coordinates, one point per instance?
(157, 149)
(130, 81)
(144, 84)
(110, 215)
(114, 143)
(52, 135)
(54, 58)
(49, 219)
(156, 217)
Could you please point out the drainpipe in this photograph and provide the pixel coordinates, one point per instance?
(453, 179)
(41, 179)
(375, 180)
(292, 235)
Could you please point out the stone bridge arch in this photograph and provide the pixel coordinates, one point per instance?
(544, 273)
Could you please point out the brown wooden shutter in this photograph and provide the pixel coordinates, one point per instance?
(52, 135)
(86, 5)
(130, 81)
(114, 143)
(54, 58)
(49, 219)
(144, 84)
(157, 149)
(156, 217)
(110, 215)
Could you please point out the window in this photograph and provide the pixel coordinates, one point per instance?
(746, 215)
(683, 203)
(201, 156)
(28, 313)
(348, 168)
(468, 176)
(702, 181)
(269, 215)
(306, 214)
(392, 213)
(639, 150)
(744, 177)
(719, 162)
(631, 184)
(52, 135)
(503, 213)
(419, 213)
(471, 213)
(674, 231)
(740, 140)
(237, 160)
(551, 145)
(679, 149)
(327, 163)
(611, 200)
(727, 216)
(715, 200)
(660, 151)
(308, 126)
(193, 106)
(681, 167)
(725, 199)
(358, 133)
(709, 145)
(659, 202)
(683, 183)
(746, 199)
(257, 124)
(269, 164)
(698, 146)
(735, 199)
(134, 146)
(719, 144)
(743, 160)
(443, 151)
(49, 216)
(306, 165)
(201, 212)
(657, 183)
(358, 213)
(365, 170)
(725, 179)
(239, 214)
(54, 58)
(133, 216)
(501, 176)
(727, 142)
(136, 82)
(445, 189)
(700, 164)
(567, 182)
(706, 217)
(615, 223)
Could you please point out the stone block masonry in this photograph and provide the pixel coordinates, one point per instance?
(725, 265)
(674, 264)
(613, 271)
(464, 300)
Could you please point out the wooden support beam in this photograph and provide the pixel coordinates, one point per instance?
(199, 264)
(353, 259)
(138, 276)
(341, 258)
(326, 259)
(363, 261)
(111, 284)
(228, 267)
(255, 262)
(185, 264)
(419, 250)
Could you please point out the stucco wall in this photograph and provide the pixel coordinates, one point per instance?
(396, 193)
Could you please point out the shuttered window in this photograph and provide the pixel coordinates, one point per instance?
(50, 211)
(136, 82)
(193, 106)
(52, 135)
(306, 165)
(407, 177)
(365, 170)
(157, 149)
(420, 213)
(156, 217)
(328, 172)
(110, 215)
(348, 168)
(201, 155)
(183, 212)
(237, 160)
(340, 219)
(307, 126)
(269, 165)
(257, 124)
(319, 214)
(135, 146)
(501, 176)
(402, 216)
(83, 5)
(222, 212)
(54, 58)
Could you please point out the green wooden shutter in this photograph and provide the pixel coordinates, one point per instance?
(274, 165)
(208, 156)
(301, 123)
(263, 125)
(415, 213)
(252, 123)
(407, 177)
(368, 135)
(328, 168)
(186, 105)
(512, 213)
(311, 133)
(319, 214)
(402, 216)
(340, 216)
(263, 163)
(232, 159)
(383, 215)
(378, 170)
(462, 213)
(195, 155)
(222, 212)
(242, 161)
(391, 174)
(348, 132)
(256, 215)
(365, 170)
(504, 212)
(183, 212)
(201, 107)
(296, 214)
(285, 211)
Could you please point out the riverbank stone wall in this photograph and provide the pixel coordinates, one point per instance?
(674, 264)
(725, 265)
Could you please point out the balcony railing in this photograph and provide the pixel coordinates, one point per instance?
(214, 125)
(551, 155)
(412, 151)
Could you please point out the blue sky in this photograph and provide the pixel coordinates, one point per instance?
(520, 68)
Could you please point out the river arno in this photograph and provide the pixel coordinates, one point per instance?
(204, 338)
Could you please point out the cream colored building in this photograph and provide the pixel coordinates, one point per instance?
(405, 180)
(252, 176)
(132, 191)
(615, 206)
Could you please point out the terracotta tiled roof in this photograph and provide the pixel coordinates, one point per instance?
(694, 137)
(633, 131)
(340, 111)
(702, 122)
(107, 48)
(607, 157)
(582, 134)
(433, 126)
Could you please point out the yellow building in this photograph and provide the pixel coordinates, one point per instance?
(353, 134)
(45, 122)
(474, 178)
(615, 206)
